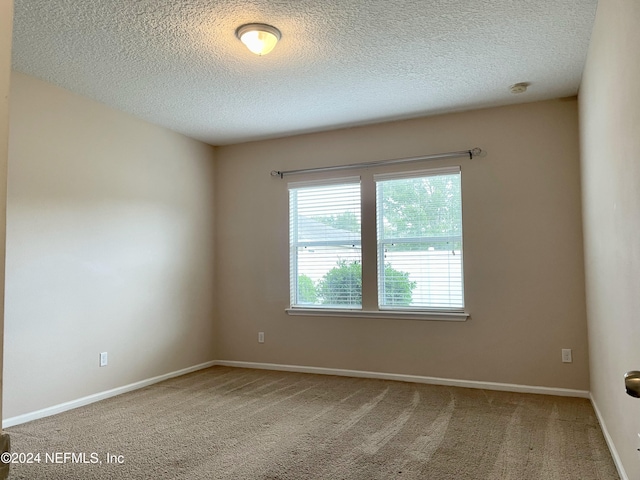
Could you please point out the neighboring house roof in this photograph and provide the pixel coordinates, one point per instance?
(310, 230)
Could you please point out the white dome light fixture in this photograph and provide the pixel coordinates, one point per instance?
(258, 37)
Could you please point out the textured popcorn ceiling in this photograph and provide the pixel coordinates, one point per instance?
(177, 63)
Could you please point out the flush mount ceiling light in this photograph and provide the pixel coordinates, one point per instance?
(258, 37)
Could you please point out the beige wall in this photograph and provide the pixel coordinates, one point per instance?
(6, 27)
(523, 251)
(110, 235)
(610, 142)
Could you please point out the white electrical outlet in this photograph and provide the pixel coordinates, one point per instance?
(566, 355)
(260, 337)
(103, 359)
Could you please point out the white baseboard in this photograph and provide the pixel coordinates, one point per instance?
(63, 407)
(612, 448)
(506, 387)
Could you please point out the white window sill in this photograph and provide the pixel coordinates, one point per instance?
(395, 314)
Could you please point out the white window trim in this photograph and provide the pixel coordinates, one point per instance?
(397, 314)
(431, 172)
(351, 180)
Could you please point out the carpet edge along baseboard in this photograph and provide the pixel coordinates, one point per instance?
(96, 397)
(507, 387)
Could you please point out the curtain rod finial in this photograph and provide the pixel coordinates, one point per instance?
(276, 173)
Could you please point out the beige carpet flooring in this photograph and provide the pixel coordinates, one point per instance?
(228, 423)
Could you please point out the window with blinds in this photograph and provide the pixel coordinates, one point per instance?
(419, 230)
(325, 244)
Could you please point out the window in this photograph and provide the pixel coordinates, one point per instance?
(419, 229)
(418, 240)
(325, 248)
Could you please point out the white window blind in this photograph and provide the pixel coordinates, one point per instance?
(325, 244)
(419, 230)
